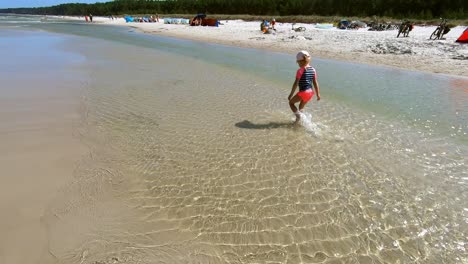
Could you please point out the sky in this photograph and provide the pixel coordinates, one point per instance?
(42, 3)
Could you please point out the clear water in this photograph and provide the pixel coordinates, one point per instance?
(195, 146)
(435, 102)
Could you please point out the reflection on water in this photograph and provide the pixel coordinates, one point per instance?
(458, 93)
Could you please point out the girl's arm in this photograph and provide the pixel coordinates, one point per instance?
(294, 86)
(317, 89)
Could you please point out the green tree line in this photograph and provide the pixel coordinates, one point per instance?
(418, 9)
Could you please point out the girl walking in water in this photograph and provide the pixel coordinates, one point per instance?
(306, 76)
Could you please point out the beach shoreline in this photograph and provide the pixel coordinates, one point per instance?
(41, 115)
(382, 48)
(126, 148)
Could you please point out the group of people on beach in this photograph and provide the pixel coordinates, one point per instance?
(151, 19)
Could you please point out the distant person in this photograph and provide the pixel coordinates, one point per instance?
(90, 18)
(265, 26)
(306, 77)
(273, 22)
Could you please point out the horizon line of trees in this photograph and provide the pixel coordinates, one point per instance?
(417, 9)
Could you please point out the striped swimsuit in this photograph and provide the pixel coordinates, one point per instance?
(306, 76)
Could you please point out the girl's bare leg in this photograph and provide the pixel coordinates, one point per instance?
(293, 101)
(302, 105)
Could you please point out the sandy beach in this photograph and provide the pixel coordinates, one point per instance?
(415, 52)
(121, 147)
(39, 108)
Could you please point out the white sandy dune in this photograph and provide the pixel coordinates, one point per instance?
(415, 52)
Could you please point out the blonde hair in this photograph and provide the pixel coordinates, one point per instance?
(304, 61)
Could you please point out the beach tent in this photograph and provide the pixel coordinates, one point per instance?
(464, 37)
(128, 19)
(324, 26)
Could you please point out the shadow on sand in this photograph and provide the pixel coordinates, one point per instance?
(249, 125)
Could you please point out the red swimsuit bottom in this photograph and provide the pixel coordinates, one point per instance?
(306, 95)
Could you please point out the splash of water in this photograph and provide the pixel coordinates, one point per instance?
(312, 127)
(318, 129)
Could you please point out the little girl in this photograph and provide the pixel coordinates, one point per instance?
(306, 76)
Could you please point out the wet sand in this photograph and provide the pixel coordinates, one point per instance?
(39, 109)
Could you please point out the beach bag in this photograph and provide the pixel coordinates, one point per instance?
(446, 30)
(209, 22)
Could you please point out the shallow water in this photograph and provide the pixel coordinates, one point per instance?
(194, 158)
